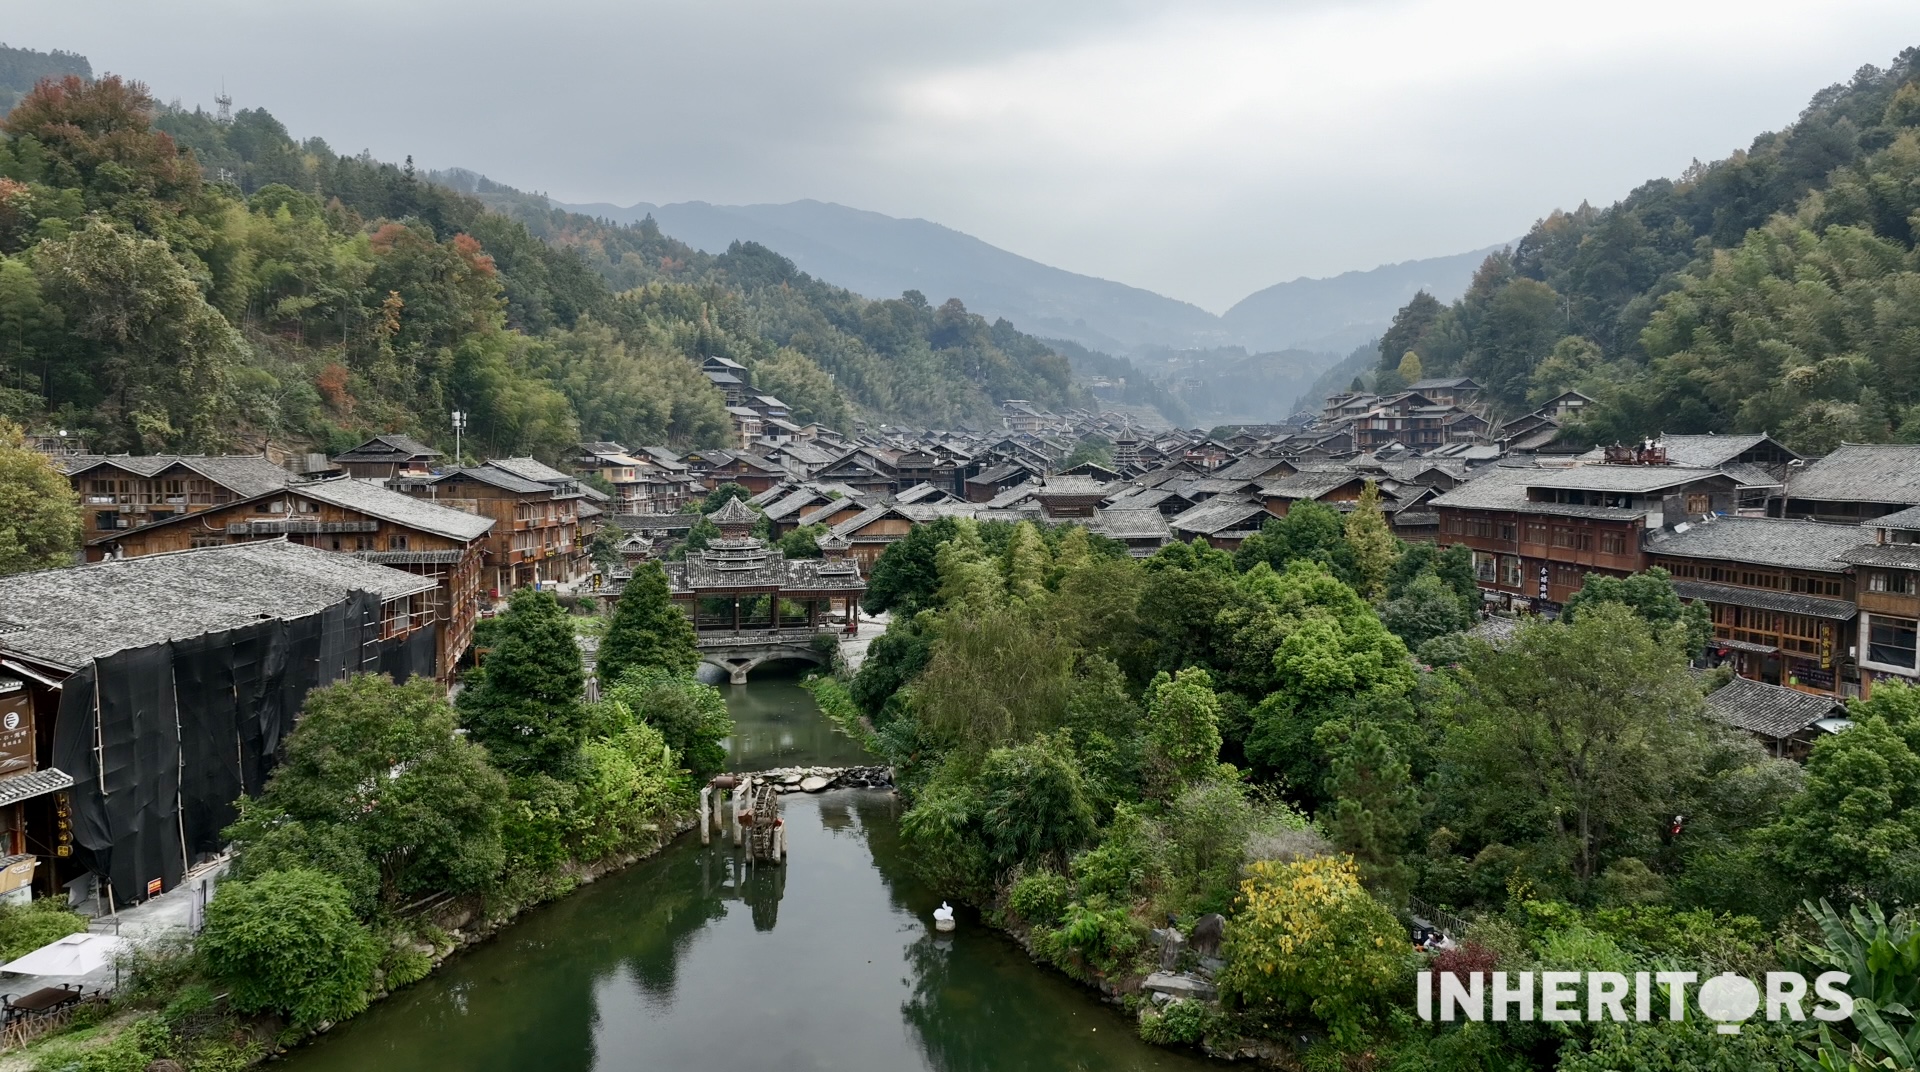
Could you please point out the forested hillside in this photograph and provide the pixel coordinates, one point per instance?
(1775, 290)
(172, 281)
(21, 68)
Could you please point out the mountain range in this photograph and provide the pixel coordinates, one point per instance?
(882, 256)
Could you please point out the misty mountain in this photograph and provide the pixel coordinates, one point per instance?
(880, 256)
(1348, 309)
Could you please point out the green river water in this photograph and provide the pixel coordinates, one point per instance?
(690, 961)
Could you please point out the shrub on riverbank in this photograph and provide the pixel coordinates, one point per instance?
(288, 943)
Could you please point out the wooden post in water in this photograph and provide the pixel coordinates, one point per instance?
(706, 803)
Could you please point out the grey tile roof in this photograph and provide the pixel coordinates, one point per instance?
(1709, 451)
(1803, 545)
(390, 447)
(1079, 486)
(19, 787)
(487, 474)
(245, 475)
(1767, 599)
(376, 501)
(66, 617)
(1769, 710)
(1863, 472)
(1219, 514)
(1504, 487)
(1309, 483)
(1623, 478)
(1130, 524)
(1014, 496)
(530, 469)
(1899, 519)
(1889, 555)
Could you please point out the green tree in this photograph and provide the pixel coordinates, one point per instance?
(525, 702)
(1183, 730)
(691, 717)
(1573, 739)
(648, 630)
(1311, 530)
(1410, 368)
(803, 541)
(1649, 594)
(994, 678)
(1025, 562)
(1034, 806)
(287, 942)
(1851, 832)
(39, 513)
(970, 580)
(906, 577)
(1427, 608)
(164, 358)
(378, 788)
(1374, 809)
(1372, 543)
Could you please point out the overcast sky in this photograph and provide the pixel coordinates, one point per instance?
(1201, 149)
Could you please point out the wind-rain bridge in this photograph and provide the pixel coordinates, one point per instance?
(751, 604)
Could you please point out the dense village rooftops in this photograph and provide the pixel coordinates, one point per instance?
(1770, 710)
(376, 501)
(1862, 472)
(243, 474)
(1767, 599)
(1802, 545)
(66, 617)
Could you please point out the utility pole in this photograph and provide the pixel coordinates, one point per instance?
(459, 425)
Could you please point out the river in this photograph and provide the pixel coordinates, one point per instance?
(690, 961)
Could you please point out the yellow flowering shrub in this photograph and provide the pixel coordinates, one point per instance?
(1306, 938)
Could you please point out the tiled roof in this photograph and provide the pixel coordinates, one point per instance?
(530, 469)
(1130, 524)
(1863, 472)
(1622, 478)
(68, 616)
(1766, 599)
(1769, 710)
(376, 501)
(390, 447)
(734, 512)
(1889, 555)
(18, 787)
(1709, 451)
(1899, 519)
(1309, 483)
(245, 475)
(1804, 545)
(1219, 514)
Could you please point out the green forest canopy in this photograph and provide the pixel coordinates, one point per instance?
(1776, 290)
(173, 281)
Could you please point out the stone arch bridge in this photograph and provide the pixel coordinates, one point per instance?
(737, 654)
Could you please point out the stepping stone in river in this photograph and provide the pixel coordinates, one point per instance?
(814, 784)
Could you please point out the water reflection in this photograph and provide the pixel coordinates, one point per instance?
(776, 724)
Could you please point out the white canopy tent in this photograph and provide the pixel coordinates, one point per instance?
(76, 954)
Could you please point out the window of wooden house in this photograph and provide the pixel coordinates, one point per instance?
(199, 542)
(1890, 582)
(397, 542)
(1508, 533)
(1536, 532)
(1583, 540)
(1814, 586)
(1562, 536)
(1891, 641)
(1485, 567)
(1699, 503)
(1510, 571)
(1613, 543)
